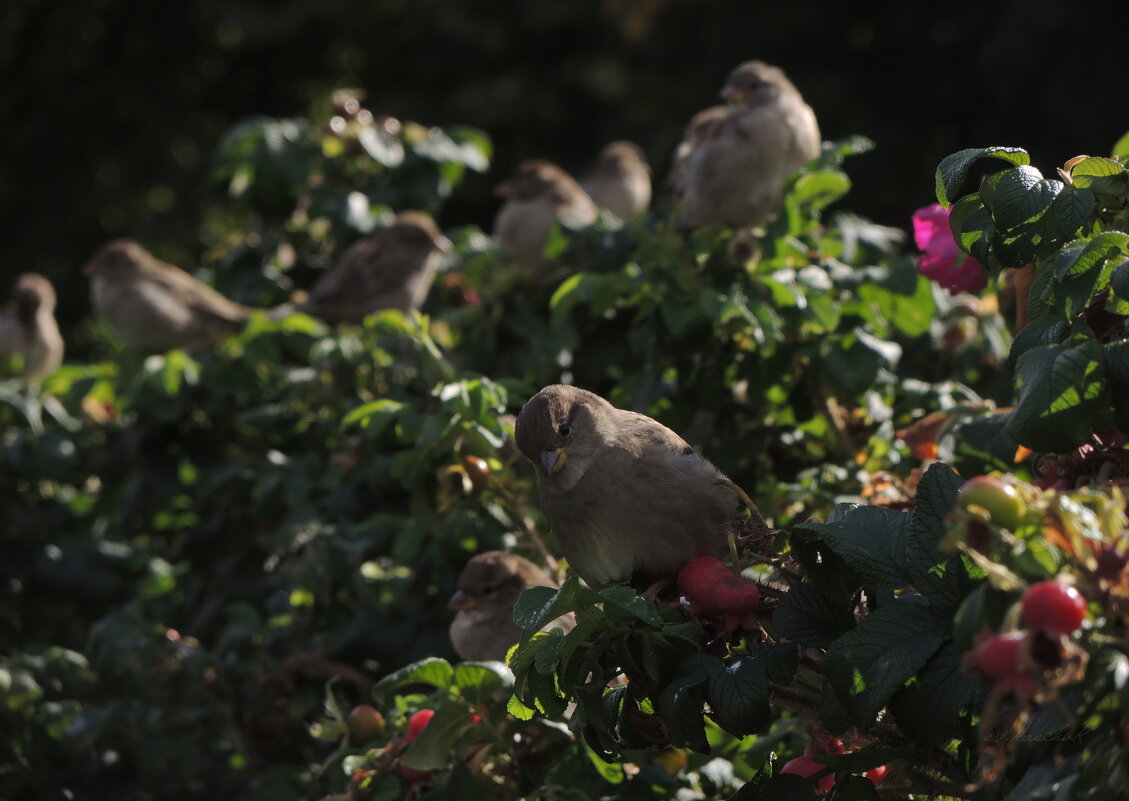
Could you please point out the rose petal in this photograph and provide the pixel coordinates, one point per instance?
(929, 223)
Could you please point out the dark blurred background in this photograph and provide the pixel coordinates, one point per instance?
(112, 109)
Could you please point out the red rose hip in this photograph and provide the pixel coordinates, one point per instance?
(1053, 606)
(998, 656)
(806, 766)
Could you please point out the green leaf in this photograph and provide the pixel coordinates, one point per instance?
(979, 444)
(871, 540)
(930, 708)
(953, 171)
(737, 693)
(781, 660)
(538, 605)
(478, 681)
(809, 617)
(431, 671)
(1102, 176)
(1069, 212)
(942, 579)
(972, 226)
(984, 607)
(867, 666)
(1121, 148)
(431, 750)
(820, 188)
(1061, 396)
(778, 787)
(625, 599)
(680, 707)
(374, 415)
(1045, 330)
(1021, 197)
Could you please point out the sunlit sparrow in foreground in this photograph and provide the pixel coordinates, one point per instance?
(736, 174)
(155, 306)
(28, 328)
(627, 497)
(536, 195)
(620, 181)
(487, 590)
(393, 269)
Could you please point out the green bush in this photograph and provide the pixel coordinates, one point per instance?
(210, 558)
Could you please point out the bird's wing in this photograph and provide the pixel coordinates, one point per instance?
(654, 434)
(195, 294)
(360, 272)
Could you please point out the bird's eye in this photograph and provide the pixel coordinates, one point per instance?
(487, 590)
(564, 429)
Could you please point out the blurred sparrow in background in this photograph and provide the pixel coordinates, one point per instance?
(393, 269)
(536, 195)
(155, 306)
(735, 174)
(28, 328)
(620, 181)
(627, 497)
(485, 595)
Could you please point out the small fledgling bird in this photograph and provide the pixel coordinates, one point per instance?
(627, 497)
(536, 195)
(620, 181)
(28, 328)
(735, 175)
(155, 306)
(393, 269)
(485, 595)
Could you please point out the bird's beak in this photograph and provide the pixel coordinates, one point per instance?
(443, 244)
(504, 189)
(731, 94)
(552, 461)
(461, 601)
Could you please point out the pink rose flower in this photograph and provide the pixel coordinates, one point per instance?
(940, 259)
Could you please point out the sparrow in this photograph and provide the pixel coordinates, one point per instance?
(735, 175)
(620, 181)
(696, 131)
(488, 588)
(627, 497)
(536, 195)
(393, 269)
(155, 306)
(28, 328)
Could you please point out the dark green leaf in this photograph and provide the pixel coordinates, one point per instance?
(1060, 396)
(930, 708)
(941, 579)
(680, 706)
(538, 605)
(954, 170)
(1022, 196)
(432, 671)
(972, 226)
(1069, 212)
(778, 787)
(871, 540)
(868, 665)
(1046, 330)
(737, 693)
(979, 444)
(809, 617)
